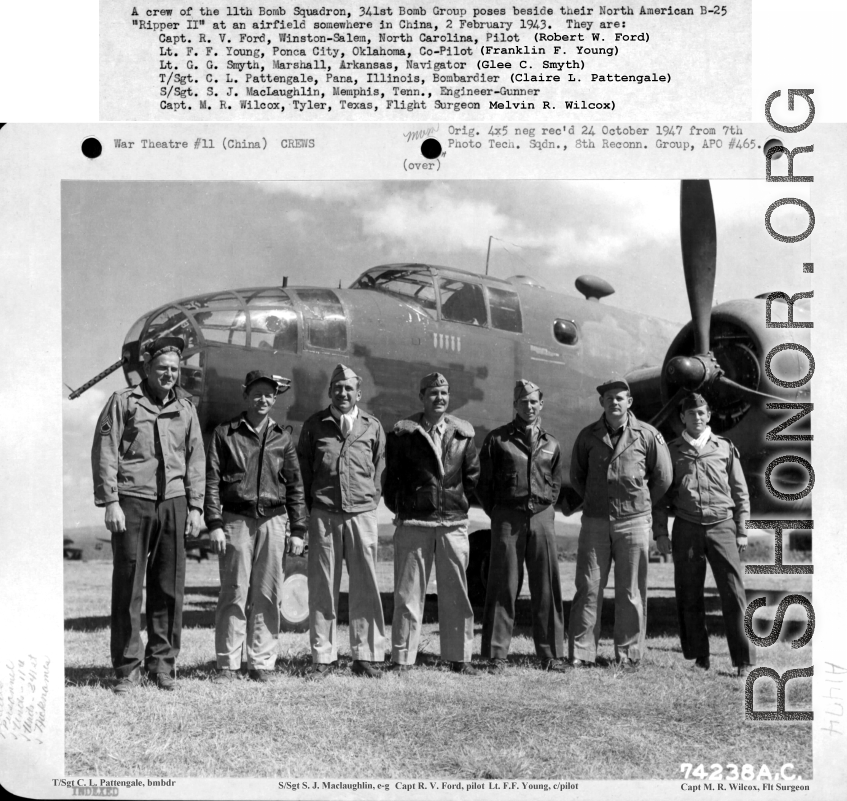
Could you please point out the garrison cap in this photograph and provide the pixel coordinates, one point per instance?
(433, 380)
(281, 384)
(693, 401)
(341, 373)
(163, 345)
(524, 388)
(613, 382)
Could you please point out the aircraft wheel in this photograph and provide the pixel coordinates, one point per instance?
(294, 604)
(478, 562)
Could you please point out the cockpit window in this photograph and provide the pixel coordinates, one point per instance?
(220, 300)
(413, 286)
(220, 317)
(224, 325)
(273, 320)
(505, 309)
(135, 332)
(462, 302)
(265, 298)
(323, 318)
(171, 322)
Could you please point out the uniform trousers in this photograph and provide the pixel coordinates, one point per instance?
(693, 544)
(515, 535)
(153, 545)
(601, 542)
(353, 537)
(251, 579)
(415, 547)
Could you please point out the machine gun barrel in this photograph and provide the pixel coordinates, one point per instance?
(99, 377)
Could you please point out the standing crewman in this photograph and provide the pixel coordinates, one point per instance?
(432, 469)
(252, 483)
(710, 500)
(621, 468)
(147, 460)
(520, 477)
(342, 455)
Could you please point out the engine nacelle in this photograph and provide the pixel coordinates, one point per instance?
(741, 343)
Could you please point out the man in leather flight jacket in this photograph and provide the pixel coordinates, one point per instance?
(432, 467)
(519, 484)
(252, 481)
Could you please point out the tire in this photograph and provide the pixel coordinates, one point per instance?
(479, 560)
(294, 603)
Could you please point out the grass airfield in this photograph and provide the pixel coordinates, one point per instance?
(429, 723)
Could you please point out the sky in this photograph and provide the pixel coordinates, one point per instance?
(128, 247)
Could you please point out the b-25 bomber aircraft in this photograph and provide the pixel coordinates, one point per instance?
(397, 322)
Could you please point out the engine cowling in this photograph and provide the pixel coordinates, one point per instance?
(740, 342)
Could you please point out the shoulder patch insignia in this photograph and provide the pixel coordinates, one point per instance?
(106, 428)
(660, 438)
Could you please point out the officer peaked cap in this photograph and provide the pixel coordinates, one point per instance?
(615, 382)
(524, 388)
(341, 373)
(433, 380)
(693, 401)
(163, 345)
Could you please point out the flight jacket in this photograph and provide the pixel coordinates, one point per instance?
(622, 482)
(708, 486)
(512, 477)
(342, 474)
(421, 489)
(253, 475)
(144, 450)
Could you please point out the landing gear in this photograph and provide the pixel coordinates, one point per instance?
(294, 605)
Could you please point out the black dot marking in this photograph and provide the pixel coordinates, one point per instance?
(431, 149)
(772, 143)
(91, 148)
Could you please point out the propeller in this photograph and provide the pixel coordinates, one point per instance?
(699, 255)
(665, 412)
(746, 392)
(700, 371)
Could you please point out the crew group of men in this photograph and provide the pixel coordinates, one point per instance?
(152, 476)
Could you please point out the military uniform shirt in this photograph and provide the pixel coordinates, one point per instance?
(622, 481)
(146, 450)
(708, 486)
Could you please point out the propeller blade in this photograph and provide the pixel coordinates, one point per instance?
(699, 255)
(669, 407)
(746, 392)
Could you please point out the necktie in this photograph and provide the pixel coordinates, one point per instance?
(346, 425)
(435, 435)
